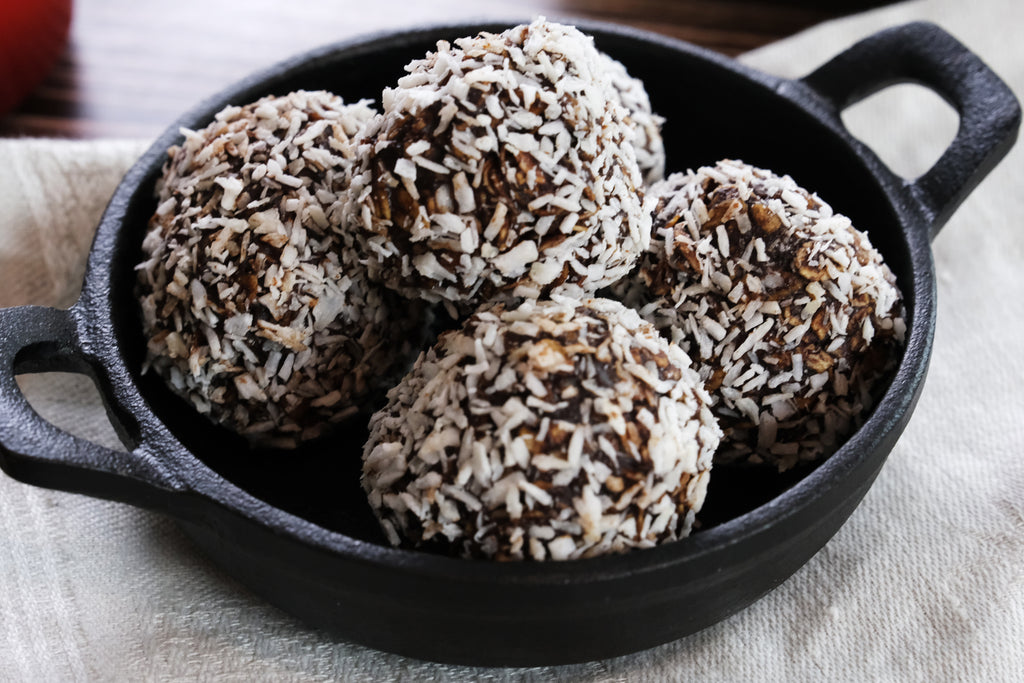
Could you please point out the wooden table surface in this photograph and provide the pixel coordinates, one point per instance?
(131, 67)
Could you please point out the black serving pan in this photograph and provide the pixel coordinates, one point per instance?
(295, 527)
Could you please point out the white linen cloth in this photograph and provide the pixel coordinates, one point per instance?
(924, 583)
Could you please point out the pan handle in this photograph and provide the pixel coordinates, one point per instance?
(925, 54)
(38, 339)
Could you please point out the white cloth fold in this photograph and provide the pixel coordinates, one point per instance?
(925, 582)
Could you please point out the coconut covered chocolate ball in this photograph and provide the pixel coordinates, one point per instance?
(555, 430)
(253, 305)
(790, 315)
(501, 166)
(632, 94)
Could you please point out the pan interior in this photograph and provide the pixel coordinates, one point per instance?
(712, 111)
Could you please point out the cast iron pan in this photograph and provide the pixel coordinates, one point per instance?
(295, 527)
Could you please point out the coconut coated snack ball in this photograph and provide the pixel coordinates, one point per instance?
(555, 430)
(501, 166)
(788, 312)
(253, 305)
(648, 143)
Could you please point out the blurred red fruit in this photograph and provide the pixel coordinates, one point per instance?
(32, 35)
